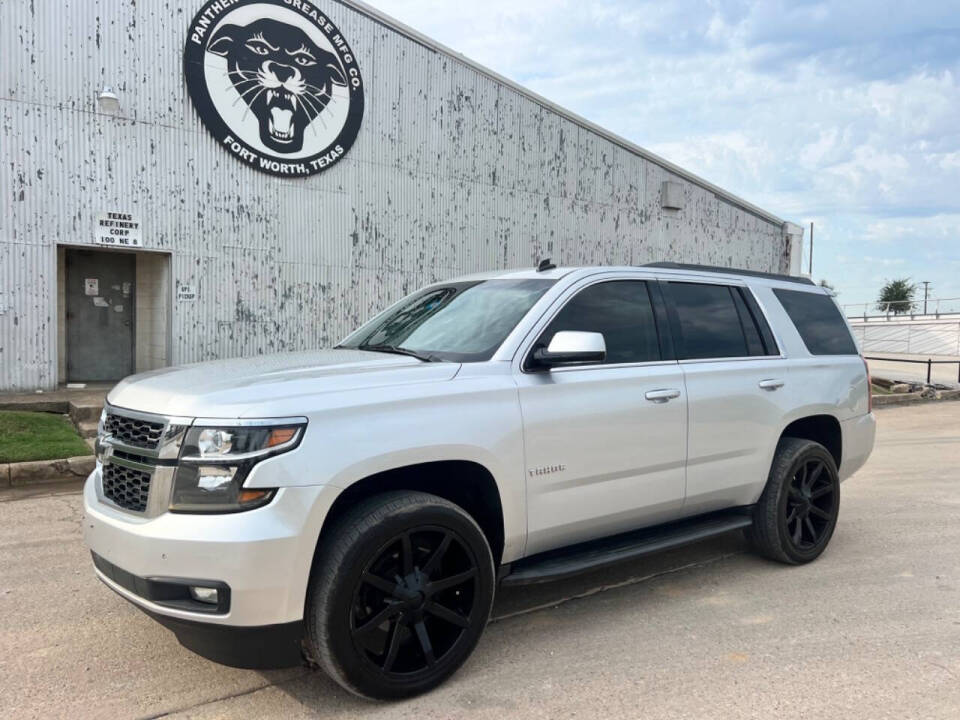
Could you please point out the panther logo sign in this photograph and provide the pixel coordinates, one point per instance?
(275, 82)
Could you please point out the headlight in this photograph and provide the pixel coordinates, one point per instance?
(215, 461)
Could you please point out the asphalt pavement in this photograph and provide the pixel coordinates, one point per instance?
(871, 630)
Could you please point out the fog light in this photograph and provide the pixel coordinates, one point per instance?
(204, 595)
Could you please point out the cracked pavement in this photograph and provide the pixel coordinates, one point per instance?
(871, 630)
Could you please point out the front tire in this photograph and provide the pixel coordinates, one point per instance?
(400, 594)
(797, 513)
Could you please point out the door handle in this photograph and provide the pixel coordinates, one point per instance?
(662, 396)
(771, 385)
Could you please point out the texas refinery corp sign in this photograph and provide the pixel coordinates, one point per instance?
(275, 82)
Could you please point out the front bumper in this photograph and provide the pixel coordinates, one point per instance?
(264, 555)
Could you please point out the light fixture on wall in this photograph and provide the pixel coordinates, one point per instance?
(107, 101)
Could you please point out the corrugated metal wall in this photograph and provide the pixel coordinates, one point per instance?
(911, 337)
(453, 172)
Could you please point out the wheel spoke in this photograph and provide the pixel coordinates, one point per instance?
(377, 620)
(825, 490)
(438, 554)
(450, 616)
(452, 581)
(813, 533)
(424, 639)
(793, 515)
(815, 474)
(381, 584)
(406, 553)
(794, 493)
(414, 601)
(394, 647)
(798, 532)
(819, 513)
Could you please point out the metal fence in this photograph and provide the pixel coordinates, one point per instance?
(928, 362)
(932, 307)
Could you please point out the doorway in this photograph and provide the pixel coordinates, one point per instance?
(100, 301)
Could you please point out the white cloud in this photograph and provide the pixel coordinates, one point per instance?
(839, 111)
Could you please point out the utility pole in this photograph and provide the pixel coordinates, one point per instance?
(811, 250)
(926, 294)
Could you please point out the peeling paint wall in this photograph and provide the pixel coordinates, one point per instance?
(453, 172)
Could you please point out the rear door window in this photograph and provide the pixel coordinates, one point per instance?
(707, 323)
(819, 322)
(750, 331)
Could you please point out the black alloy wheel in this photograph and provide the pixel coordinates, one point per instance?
(811, 505)
(401, 590)
(415, 600)
(797, 513)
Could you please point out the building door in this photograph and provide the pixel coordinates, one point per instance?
(99, 314)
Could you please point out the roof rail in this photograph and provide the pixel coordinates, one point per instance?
(730, 271)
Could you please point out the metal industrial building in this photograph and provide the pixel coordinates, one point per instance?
(172, 192)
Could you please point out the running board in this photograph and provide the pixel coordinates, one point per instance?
(566, 562)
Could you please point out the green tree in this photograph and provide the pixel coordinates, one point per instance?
(896, 296)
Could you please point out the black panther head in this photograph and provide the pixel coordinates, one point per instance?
(285, 79)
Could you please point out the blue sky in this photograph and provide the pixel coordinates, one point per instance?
(844, 113)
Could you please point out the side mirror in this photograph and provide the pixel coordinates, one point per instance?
(572, 348)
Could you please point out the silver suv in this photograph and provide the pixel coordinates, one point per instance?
(364, 502)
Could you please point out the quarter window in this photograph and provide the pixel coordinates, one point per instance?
(819, 322)
(622, 311)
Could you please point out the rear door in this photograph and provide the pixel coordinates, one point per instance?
(604, 444)
(734, 375)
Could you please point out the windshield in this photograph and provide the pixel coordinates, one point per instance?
(459, 322)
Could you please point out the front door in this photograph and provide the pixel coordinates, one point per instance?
(100, 315)
(605, 445)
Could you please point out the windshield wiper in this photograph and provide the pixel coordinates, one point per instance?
(394, 350)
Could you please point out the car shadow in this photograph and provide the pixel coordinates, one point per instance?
(317, 694)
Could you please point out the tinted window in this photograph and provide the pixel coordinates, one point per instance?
(759, 340)
(819, 322)
(709, 325)
(622, 311)
(769, 342)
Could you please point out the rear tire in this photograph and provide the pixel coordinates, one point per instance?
(400, 594)
(797, 512)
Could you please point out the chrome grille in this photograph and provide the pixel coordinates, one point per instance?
(137, 433)
(126, 487)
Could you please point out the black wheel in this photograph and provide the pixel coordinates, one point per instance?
(797, 513)
(400, 594)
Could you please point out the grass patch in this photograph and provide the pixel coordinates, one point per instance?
(38, 436)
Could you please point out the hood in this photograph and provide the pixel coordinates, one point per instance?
(269, 385)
